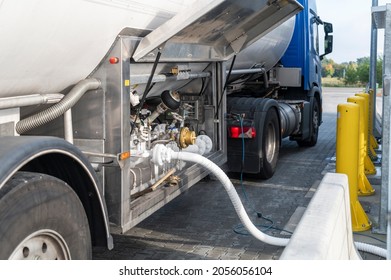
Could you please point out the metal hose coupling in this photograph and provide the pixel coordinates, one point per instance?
(58, 109)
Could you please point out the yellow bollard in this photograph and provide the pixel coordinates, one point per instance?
(364, 187)
(372, 140)
(368, 164)
(372, 143)
(347, 153)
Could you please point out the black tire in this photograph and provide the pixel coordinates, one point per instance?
(270, 144)
(41, 217)
(313, 139)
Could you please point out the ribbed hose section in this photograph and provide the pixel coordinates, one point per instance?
(58, 109)
(364, 247)
(233, 195)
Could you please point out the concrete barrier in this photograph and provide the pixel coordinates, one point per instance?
(325, 230)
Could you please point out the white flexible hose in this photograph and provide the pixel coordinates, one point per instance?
(233, 195)
(162, 154)
(364, 247)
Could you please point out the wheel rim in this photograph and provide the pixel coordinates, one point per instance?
(42, 245)
(270, 142)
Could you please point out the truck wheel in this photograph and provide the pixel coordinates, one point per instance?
(41, 217)
(314, 129)
(270, 144)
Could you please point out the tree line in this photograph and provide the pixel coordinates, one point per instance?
(353, 73)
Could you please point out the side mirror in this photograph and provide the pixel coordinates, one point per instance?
(328, 27)
(328, 45)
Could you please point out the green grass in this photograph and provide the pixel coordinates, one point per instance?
(336, 82)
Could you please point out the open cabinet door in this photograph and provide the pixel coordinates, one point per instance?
(214, 30)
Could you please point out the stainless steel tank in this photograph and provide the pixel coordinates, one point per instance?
(268, 50)
(47, 46)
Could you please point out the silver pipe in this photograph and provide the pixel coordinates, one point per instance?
(382, 18)
(198, 75)
(68, 126)
(389, 230)
(143, 78)
(385, 199)
(28, 100)
(372, 67)
(134, 177)
(386, 186)
(58, 109)
(160, 78)
(100, 154)
(265, 80)
(247, 71)
(386, 146)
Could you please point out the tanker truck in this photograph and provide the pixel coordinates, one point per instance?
(92, 95)
(279, 95)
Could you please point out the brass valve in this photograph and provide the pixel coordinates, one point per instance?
(186, 137)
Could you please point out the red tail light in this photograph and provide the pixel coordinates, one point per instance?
(236, 132)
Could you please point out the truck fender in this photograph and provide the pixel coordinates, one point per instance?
(58, 158)
(315, 94)
(254, 108)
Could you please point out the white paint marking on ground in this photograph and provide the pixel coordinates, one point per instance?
(312, 190)
(270, 186)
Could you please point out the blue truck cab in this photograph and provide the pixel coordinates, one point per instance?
(304, 50)
(285, 102)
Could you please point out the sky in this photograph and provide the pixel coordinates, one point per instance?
(351, 21)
